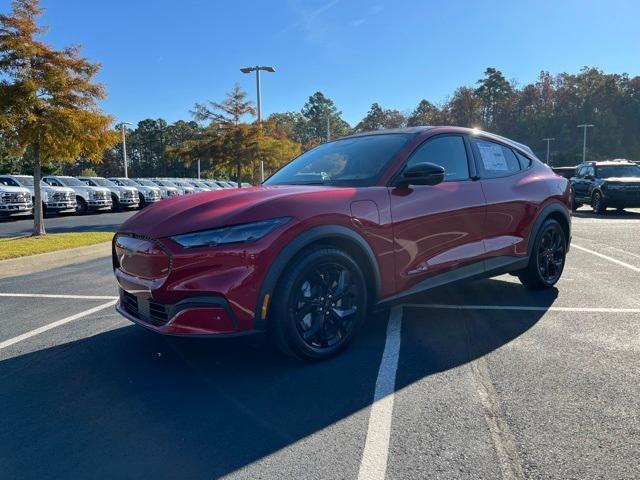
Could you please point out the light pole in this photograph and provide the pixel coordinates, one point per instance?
(124, 146)
(584, 126)
(257, 69)
(548, 140)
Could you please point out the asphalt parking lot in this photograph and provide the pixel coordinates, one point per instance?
(482, 380)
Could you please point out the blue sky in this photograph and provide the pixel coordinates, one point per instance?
(160, 57)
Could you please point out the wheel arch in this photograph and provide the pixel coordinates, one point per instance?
(555, 211)
(335, 236)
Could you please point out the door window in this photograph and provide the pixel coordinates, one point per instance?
(496, 160)
(448, 152)
(524, 161)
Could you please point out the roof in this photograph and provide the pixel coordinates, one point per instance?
(385, 131)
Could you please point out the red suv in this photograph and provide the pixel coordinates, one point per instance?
(355, 223)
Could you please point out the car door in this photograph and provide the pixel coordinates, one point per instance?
(579, 184)
(513, 192)
(437, 228)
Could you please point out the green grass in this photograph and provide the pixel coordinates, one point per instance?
(23, 246)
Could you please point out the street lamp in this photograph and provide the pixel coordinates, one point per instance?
(548, 140)
(124, 146)
(257, 69)
(584, 126)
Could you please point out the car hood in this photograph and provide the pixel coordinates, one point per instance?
(217, 208)
(7, 189)
(52, 189)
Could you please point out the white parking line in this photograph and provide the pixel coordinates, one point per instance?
(44, 328)
(48, 295)
(606, 257)
(523, 308)
(376, 449)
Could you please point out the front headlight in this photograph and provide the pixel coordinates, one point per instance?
(247, 232)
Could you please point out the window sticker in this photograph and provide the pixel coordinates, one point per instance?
(493, 157)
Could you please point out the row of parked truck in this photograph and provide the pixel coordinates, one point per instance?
(65, 194)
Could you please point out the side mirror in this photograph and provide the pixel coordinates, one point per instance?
(422, 174)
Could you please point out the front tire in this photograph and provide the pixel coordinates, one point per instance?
(319, 305)
(81, 206)
(597, 203)
(574, 205)
(115, 204)
(547, 257)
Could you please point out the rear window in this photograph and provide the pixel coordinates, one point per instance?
(496, 160)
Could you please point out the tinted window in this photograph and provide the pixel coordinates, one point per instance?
(619, 171)
(353, 161)
(496, 160)
(448, 152)
(524, 161)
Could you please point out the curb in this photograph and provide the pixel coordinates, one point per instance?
(15, 267)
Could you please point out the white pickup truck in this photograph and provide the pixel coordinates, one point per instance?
(121, 196)
(54, 199)
(87, 198)
(14, 201)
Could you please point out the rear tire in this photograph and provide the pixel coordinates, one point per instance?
(547, 259)
(319, 304)
(597, 203)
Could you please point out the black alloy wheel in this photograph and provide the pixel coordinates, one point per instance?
(547, 259)
(321, 304)
(551, 254)
(597, 203)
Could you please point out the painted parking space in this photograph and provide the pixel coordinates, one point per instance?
(482, 380)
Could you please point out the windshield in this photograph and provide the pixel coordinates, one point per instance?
(124, 182)
(619, 171)
(103, 182)
(26, 181)
(9, 182)
(165, 183)
(71, 182)
(355, 161)
(146, 183)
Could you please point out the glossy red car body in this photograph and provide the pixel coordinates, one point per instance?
(404, 239)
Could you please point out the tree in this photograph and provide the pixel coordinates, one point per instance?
(230, 110)
(493, 91)
(48, 101)
(227, 143)
(313, 127)
(426, 113)
(377, 118)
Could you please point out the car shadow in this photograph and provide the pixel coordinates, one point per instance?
(127, 402)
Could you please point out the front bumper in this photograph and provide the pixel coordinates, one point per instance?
(99, 204)
(10, 209)
(61, 207)
(129, 202)
(621, 198)
(198, 316)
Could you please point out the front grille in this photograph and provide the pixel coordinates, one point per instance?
(146, 310)
(157, 314)
(129, 303)
(62, 196)
(128, 194)
(15, 197)
(100, 195)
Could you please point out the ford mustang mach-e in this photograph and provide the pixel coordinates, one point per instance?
(352, 224)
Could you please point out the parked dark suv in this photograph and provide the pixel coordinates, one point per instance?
(612, 183)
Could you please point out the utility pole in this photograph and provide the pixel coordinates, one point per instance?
(548, 140)
(124, 147)
(257, 69)
(584, 126)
